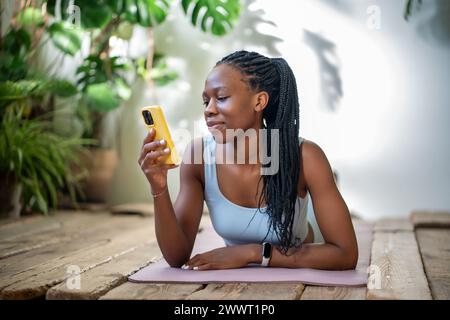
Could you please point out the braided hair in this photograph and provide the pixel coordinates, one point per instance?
(274, 76)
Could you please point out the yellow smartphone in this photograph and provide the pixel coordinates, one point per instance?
(154, 118)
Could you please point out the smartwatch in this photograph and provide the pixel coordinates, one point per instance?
(266, 253)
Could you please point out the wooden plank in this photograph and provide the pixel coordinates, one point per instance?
(6, 220)
(92, 235)
(333, 293)
(66, 230)
(98, 281)
(393, 225)
(32, 285)
(144, 209)
(211, 291)
(149, 290)
(431, 219)
(434, 246)
(152, 291)
(36, 280)
(30, 227)
(249, 291)
(39, 224)
(398, 270)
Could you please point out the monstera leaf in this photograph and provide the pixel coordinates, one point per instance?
(101, 97)
(92, 14)
(30, 16)
(147, 13)
(222, 14)
(65, 37)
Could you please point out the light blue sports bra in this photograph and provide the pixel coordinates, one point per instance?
(237, 224)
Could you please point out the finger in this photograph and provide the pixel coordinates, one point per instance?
(146, 148)
(152, 157)
(206, 266)
(153, 145)
(150, 136)
(171, 166)
(192, 260)
(195, 261)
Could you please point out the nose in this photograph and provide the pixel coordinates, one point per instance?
(210, 108)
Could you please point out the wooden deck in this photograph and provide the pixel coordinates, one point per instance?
(38, 256)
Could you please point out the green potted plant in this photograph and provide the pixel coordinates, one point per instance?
(34, 160)
(104, 77)
(34, 166)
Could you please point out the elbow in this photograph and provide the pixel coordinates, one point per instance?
(176, 262)
(349, 259)
(176, 265)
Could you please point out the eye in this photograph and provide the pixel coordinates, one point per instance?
(222, 98)
(205, 103)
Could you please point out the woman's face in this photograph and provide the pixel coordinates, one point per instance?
(230, 103)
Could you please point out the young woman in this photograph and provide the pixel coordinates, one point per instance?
(248, 91)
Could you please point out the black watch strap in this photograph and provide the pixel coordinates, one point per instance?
(266, 253)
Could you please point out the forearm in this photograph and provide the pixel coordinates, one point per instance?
(171, 239)
(311, 255)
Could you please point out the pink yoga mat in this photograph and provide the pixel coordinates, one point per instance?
(208, 239)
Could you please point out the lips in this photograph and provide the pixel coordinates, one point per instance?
(214, 124)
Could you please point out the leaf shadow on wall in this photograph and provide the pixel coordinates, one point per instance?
(330, 78)
(432, 22)
(201, 56)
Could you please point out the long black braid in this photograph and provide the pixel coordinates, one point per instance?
(282, 112)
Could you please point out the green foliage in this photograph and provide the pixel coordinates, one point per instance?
(93, 14)
(30, 151)
(100, 97)
(102, 82)
(39, 159)
(223, 14)
(147, 13)
(65, 37)
(25, 89)
(13, 54)
(20, 92)
(159, 72)
(30, 17)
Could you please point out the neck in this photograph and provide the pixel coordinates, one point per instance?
(244, 148)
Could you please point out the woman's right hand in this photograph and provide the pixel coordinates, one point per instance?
(150, 161)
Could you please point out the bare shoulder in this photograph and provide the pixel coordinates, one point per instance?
(311, 151)
(315, 163)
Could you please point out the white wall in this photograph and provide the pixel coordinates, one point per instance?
(376, 100)
(385, 134)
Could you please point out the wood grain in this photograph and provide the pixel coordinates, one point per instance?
(93, 251)
(333, 293)
(429, 219)
(54, 231)
(150, 291)
(400, 270)
(98, 281)
(249, 291)
(393, 225)
(435, 249)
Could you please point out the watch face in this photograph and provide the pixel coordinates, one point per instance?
(267, 249)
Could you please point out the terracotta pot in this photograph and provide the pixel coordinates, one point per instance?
(101, 164)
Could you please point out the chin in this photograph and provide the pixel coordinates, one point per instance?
(218, 133)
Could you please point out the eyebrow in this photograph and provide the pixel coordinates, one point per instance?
(215, 89)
